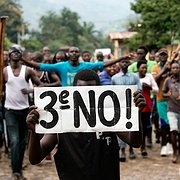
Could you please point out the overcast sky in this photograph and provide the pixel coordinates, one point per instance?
(107, 15)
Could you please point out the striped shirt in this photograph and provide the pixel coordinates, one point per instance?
(126, 79)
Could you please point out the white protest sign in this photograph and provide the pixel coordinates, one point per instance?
(86, 109)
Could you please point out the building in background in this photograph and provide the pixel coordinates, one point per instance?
(118, 38)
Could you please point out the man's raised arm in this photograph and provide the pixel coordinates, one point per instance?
(109, 63)
(31, 63)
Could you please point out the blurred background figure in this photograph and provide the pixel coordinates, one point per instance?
(47, 59)
(148, 85)
(107, 73)
(100, 56)
(59, 56)
(171, 90)
(126, 78)
(28, 55)
(86, 56)
(152, 56)
(6, 58)
(49, 79)
(157, 57)
(46, 50)
(37, 57)
(141, 53)
(160, 72)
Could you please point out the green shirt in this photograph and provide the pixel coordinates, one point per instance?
(133, 66)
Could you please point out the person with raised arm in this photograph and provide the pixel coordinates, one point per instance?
(67, 70)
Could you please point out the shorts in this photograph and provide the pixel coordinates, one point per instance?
(174, 121)
(162, 112)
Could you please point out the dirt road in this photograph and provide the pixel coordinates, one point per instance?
(154, 167)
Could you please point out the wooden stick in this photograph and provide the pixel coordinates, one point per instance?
(176, 52)
(2, 31)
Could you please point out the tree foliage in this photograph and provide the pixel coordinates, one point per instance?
(64, 29)
(32, 45)
(56, 30)
(15, 22)
(159, 22)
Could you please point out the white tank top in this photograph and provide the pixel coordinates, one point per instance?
(15, 99)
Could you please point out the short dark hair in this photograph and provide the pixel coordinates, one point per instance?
(139, 63)
(174, 62)
(59, 52)
(86, 75)
(84, 52)
(144, 48)
(38, 56)
(99, 53)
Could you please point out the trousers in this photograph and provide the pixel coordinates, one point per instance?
(17, 131)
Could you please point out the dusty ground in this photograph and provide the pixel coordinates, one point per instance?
(154, 167)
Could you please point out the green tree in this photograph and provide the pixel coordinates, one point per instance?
(7, 43)
(90, 38)
(32, 45)
(15, 22)
(158, 24)
(64, 29)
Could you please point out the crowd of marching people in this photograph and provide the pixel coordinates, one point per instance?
(156, 74)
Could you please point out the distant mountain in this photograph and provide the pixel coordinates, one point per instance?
(106, 15)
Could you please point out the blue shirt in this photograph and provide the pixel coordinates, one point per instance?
(105, 79)
(126, 79)
(67, 72)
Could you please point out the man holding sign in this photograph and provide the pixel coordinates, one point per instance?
(83, 156)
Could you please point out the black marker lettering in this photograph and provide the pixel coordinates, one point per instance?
(117, 110)
(49, 125)
(64, 94)
(78, 102)
(128, 103)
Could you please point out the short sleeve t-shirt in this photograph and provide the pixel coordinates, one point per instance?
(88, 156)
(173, 85)
(133, 66)
(67, 72)
(105, 79)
